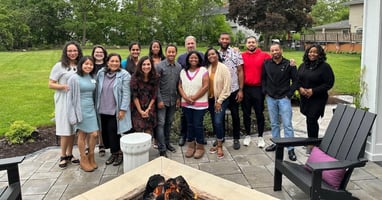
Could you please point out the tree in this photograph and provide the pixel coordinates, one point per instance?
(272, 17)
(329, 11)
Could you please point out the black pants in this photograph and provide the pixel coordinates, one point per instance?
(110, 134)
(253, 98)
(233, 106)
(183, 126)
(312, 126)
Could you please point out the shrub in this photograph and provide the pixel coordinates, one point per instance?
(19, 132)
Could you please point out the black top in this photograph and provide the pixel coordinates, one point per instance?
(319, 77)
(279, 80)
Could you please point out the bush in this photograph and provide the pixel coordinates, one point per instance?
(19, 132)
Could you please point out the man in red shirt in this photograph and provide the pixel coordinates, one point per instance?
(253, 95)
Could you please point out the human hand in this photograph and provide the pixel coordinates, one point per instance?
(239, 96)
(160, 105)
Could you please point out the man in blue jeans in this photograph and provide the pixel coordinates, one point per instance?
(277, 75)
(168, 98)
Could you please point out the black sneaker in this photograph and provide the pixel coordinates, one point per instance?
(163, 153)
(271, 147)
(182, 141)
(170, 148)
(236, 144)
(292, 155)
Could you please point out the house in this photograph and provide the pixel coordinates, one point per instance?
(342, 36)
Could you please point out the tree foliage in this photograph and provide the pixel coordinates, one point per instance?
(46, 23)
(329, 11)
(272, 17)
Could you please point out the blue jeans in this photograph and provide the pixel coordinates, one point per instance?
(217, 118)
(280, 108)
(194, 120)
(165, 118)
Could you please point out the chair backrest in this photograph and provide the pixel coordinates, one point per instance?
(345, 137)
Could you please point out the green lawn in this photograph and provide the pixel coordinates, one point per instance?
(25, 94)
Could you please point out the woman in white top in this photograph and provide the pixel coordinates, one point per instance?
(58, 79)
(193, 87)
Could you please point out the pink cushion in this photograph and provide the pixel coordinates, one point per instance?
(332, 177)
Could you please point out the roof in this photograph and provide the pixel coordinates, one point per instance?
(353, 2)
(336, 25)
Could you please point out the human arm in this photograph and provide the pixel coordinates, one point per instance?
(240, 74)
(203, 89)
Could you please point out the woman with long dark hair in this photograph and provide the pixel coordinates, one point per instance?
(315, 79)
(81, 110)
(144, 88)
(113, 105)
(58, 81)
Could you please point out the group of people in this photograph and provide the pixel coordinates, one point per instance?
(101, 97)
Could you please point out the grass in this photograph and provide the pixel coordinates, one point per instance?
(25, 94)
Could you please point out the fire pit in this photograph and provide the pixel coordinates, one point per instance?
(131, 185)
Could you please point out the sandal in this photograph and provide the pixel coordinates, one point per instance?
(63, 162)
(118, 160)
(73, 159)
(111, 159)
(101, 150)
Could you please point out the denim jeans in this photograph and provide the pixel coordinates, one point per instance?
(165, 119)
(194, 120)
(217, 118)
(280, 108)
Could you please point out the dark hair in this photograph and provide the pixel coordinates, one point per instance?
(160, 53)
(134, 43)
(109, 57)
(320, 51)
(104, 52)
(139, 73)
(172, 45)
(64, 56)
(206, 56)
(80, 71)
(246, 39)
(200, 62)
(224, 33)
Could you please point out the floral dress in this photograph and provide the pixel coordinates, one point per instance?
(145, 92)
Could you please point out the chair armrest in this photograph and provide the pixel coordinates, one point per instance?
(6, 163)
(342, 164)
(296, 141)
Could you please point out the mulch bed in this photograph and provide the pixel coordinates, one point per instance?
(45, 138)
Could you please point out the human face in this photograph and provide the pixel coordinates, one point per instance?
(212, 56)
(171, 54)
(313, 54)
(146, 66)
(87, 66)
(276, 52)
(155, 48)
(251, 44)
(135, 51)
(72, 52)
(114, 63)
(190, 45)
(99, 55)
(193, 60)
(224, 41)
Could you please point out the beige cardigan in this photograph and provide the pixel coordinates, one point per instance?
(222, 82)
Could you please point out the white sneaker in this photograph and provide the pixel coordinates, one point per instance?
(247, 140)
(260, 142)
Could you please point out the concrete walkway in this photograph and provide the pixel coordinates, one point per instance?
(248, 166)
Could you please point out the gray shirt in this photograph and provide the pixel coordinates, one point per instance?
(168, 85)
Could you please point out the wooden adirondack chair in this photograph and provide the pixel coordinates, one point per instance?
(13, 190)
(344, 139)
